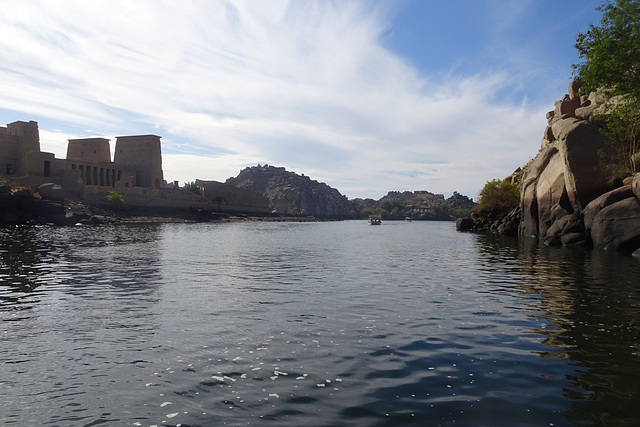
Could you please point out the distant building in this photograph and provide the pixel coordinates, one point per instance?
(137, 161)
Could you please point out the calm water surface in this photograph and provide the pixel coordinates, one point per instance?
(316, 324)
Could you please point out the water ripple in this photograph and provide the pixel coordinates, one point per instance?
(312, 324)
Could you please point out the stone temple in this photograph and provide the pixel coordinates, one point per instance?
(89, 174)
(137, 161)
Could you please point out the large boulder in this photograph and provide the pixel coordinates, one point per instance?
(617, 226)
(51, 191)
(464, 224)
(601, 202)
(569, 171)
(585, 154)
(635, 184)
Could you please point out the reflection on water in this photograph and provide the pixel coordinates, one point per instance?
(591, 301)
(313, 324)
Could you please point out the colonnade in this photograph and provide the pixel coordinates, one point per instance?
(96, 175)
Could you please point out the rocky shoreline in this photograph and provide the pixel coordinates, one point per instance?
(48, 206)
(570, 193)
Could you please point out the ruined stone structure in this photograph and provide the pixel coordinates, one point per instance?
(137, 161)
(136, 172)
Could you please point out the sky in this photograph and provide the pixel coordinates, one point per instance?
(367, 96)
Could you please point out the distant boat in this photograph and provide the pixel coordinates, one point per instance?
(375, 220)
(408, 219)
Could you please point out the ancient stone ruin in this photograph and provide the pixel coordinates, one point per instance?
(137, 161)
(88, 174)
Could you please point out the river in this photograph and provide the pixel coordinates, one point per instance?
(315, 324)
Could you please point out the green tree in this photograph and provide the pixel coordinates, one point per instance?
(499, 195)
(611, 53)
(116, 198)
(192, 187)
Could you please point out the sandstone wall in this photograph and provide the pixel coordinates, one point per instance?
(231, 199)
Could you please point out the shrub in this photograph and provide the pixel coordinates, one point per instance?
(116, 198)
(499, 195)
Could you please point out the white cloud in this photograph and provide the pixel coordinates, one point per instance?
(305, 85)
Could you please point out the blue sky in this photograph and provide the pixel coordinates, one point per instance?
(367, 96)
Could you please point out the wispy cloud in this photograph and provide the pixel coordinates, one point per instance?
(305, 85)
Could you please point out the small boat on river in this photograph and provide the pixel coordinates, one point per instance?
(375, 220)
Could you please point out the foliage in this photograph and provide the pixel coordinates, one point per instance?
(393, 209)
(612, 50)
(192, 187)
(611, 53)
(622, 126)
(116, 198)
(500, 195)
(8, 181)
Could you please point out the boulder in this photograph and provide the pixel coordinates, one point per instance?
(575, 239)
(508, 224)
(607, 199)
(73, 218)
(584, 111)
(50, 191)
(585, 153)
(599, 96)
(464, 224)
(554, 232)
(549, 116)
(617, 226)
(565, 176)
(566, 108)
(574, 225)
(574, 88)
(635, 185)
(51, 207)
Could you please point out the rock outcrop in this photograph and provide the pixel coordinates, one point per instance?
(27, 206)
(569, 171)
(293, 194)
(569, 195)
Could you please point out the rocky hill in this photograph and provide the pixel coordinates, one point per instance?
(417, 205)
(298, 195)
(293, 194)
